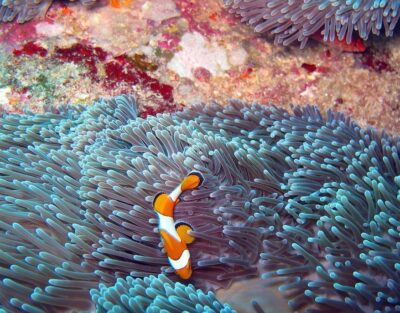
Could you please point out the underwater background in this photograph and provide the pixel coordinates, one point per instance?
(288, 111)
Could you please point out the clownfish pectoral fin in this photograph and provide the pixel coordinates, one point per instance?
(192, 181)
(182, 229)
(163, 204)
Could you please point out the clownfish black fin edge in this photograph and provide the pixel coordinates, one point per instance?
(155, 198)
(199, 175)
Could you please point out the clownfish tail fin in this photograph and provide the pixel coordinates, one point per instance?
(199, 175)
(192, 180)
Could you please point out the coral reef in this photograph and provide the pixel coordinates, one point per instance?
(88, 60)
(297, 20)
(154, 294)
(305, 201)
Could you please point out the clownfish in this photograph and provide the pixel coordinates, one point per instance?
(175, 236)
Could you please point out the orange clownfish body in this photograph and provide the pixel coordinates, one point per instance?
(175, 236)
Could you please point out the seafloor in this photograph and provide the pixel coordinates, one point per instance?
(174, 53)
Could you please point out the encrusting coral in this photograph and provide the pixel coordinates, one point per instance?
(297, 20)
(306, 201)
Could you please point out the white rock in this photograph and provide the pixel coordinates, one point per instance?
(49, 30)
(197, 51)
(238, 56)
(159, 10)
(3, 95)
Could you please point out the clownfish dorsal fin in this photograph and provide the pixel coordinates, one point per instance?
(192, 181)
(182, 229)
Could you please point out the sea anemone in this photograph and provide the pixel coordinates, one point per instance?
(335, 240)
(154, 294)
(305, 201)
(297, 20)
(25, 10)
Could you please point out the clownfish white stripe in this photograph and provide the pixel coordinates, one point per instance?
(182, 261)
(174, 195)
(167, 223)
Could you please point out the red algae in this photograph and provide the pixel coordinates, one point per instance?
(239, 75)
(30, 49)
(213, 16)
(356, 46)
(202, 74)
(246, 73)
(122, 70)
(327, 53)
(118, 70)
(13, 34)
(189, 10)
(80, 53)
(378, 64)
(339, 101)
(309, 67)
(169, 42)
